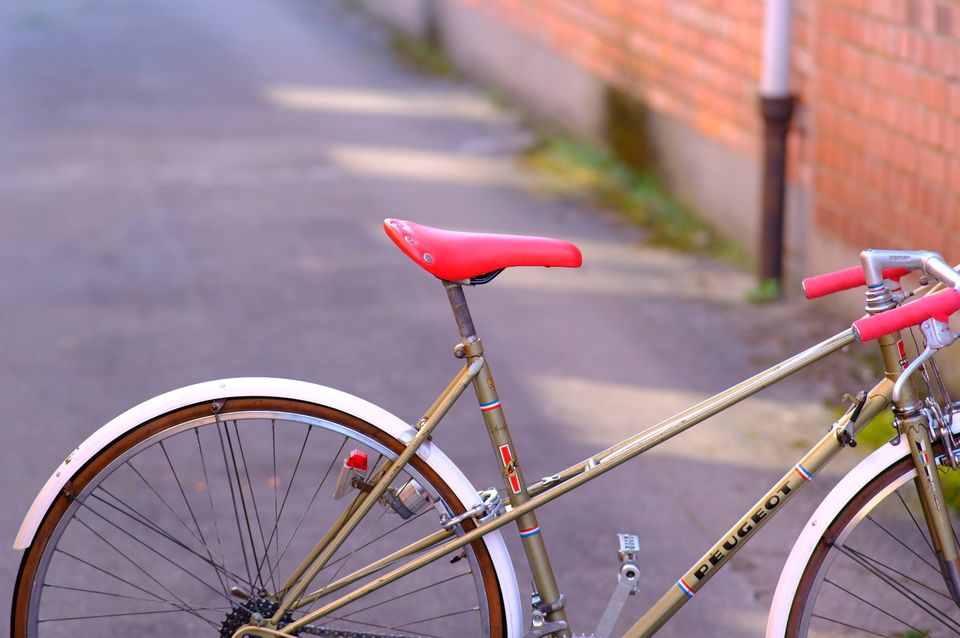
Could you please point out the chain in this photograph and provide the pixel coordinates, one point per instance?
(343, 633)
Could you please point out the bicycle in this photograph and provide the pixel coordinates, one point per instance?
(190, 511)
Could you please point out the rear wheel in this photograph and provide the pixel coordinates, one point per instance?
(191, 523)
(873, 571)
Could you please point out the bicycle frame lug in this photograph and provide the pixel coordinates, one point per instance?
(545, 628)
(539, 625)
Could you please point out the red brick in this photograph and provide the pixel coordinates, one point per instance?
(933, 91)
(954, 175)
(933, 129)
(932, 165)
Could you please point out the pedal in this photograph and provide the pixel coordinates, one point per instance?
(629, 546)
(354, 467)
(627, 580)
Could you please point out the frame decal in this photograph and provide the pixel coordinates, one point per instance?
(505, 455)
(685, 588)
(487, 407)
(527, 533)
(904, 361)
(803, 472)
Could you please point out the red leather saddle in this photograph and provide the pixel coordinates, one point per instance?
(458, 256)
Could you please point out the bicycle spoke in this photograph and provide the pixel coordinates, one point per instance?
(112, 575)
(448, 615)
(346, 558)
(316, 493)
(180, 604)
(849, 626)
(139, 518)
(396, 597)
(256, 513)
(902, 544)
(208, 488)
(148, 547)
(117, 595)
(193, 516)
(243, 504)
(906, 593)
(161, 499)
(374, 540)
(916, 523)
(129, 613)
(275, 479)
(233, 499)
(879, 564)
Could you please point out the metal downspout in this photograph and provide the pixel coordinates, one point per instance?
(776, 108)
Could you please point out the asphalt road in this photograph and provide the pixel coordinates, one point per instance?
(194, 190)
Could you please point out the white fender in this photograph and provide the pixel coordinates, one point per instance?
(288, 389)
(839, 496)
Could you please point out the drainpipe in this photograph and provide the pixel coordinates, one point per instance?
(776, 108)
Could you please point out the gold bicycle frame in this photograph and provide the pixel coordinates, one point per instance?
(525, 500)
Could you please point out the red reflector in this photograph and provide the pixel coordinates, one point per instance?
(357, 460)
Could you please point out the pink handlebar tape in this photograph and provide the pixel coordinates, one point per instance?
(938, 306)
(827, 283)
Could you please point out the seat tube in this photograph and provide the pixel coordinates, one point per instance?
(496, 423)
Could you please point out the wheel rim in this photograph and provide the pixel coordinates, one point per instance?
(260, 486)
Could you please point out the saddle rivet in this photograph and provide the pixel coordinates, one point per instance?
(427, 257)
(410, 240)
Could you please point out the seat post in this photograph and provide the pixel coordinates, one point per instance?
(458, 302)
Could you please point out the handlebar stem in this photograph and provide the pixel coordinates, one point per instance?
(874, 261)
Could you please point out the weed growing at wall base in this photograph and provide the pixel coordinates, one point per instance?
(580, 169)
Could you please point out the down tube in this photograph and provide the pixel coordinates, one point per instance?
(738, 535)
(799, 475)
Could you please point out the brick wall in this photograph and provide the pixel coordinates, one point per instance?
(886, 137)
(876, 138)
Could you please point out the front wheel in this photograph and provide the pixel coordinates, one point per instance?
(190, 523)
(873, 571)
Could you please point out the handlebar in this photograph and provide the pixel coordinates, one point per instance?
(879, 265)
(938, 306)
(853, 277)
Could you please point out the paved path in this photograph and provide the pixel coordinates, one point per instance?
(194, 190)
